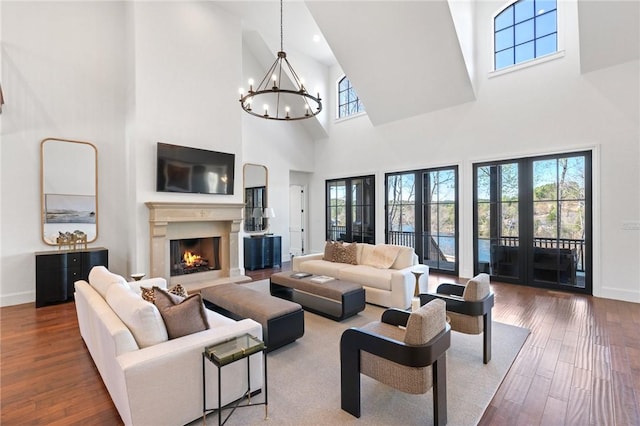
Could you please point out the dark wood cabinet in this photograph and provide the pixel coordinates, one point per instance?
(57, 271)
(262, 252)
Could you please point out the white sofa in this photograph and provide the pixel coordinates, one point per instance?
(390, 286)
(153, 380)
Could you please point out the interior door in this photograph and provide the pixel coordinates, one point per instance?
(296, 219)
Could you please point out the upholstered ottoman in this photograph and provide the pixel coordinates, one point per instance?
(282, 321)
(335, 299)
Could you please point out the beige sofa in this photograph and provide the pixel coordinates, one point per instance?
(151, 379)
(384, 271)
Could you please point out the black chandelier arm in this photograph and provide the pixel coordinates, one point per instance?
(267, 77)
(296, 79)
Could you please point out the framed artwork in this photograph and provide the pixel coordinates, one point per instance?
(65, 208)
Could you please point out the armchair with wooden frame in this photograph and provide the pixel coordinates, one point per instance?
(468, 308)
(405, 350)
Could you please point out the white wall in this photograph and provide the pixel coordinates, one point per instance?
(62, 76)
(547, 108)
(187, 65)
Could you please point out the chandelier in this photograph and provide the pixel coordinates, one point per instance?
(281, 94)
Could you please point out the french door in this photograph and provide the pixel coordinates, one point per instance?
(351, 209)
(422, 212)
(532, 221)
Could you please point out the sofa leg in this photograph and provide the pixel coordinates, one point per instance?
(440, 391)
(486, 357)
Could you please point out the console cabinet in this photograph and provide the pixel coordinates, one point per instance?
(262, 252)
(57, 271)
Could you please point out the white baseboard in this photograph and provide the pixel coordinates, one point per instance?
(17, 298)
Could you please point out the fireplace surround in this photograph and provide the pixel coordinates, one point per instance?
(173, 220)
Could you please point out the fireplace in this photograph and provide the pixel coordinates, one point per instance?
(193, 255)
(218, 224)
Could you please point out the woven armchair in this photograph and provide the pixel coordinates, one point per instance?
(468, 308)
(410, 359)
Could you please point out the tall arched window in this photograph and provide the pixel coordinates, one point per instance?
(525, 30)
(348, 101)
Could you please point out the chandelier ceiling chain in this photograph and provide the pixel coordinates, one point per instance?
(292, 103)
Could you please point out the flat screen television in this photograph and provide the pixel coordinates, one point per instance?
(194, 170)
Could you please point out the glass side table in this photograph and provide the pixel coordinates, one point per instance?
(225, 353)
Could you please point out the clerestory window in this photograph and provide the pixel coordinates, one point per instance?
(348, 101)
(525, 30)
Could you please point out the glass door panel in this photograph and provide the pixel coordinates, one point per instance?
(440, 225)
(336, 210)
(559, 221)
(350, 209)
(498, 220)
(401, 207)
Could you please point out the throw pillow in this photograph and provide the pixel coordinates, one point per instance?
(141, 318)
(346, 253)
(329, 250)
(181, 318)
(149, 294)
(178, 290)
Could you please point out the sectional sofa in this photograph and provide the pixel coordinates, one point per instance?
(154, 380)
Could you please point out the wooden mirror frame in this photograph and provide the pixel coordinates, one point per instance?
(255, 198)
(68, 192)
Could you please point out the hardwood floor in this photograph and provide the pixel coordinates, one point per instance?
(580, 365)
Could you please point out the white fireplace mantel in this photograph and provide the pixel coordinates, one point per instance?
(169, 220)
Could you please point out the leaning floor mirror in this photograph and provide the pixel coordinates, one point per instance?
(69, 192)
(255, 197)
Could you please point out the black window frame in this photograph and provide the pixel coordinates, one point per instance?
(511, 27)
(523, 258)
(365, 231)
(422, 216)
(353, 105)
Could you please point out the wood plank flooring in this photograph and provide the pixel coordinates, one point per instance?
(579, 366)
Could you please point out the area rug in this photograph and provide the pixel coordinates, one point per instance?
(304, 379)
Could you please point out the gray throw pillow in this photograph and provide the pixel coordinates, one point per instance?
(181, 317)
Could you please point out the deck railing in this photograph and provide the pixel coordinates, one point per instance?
(408, 239)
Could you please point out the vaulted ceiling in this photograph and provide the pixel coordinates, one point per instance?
(407, 58)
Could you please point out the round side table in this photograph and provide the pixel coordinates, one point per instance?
(417, 274)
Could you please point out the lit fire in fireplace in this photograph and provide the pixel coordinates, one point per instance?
(191, 259)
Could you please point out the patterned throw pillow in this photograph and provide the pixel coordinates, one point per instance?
(330, 250)
(346, 253)
(178, 290)
(149, 294)
(335, 251)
